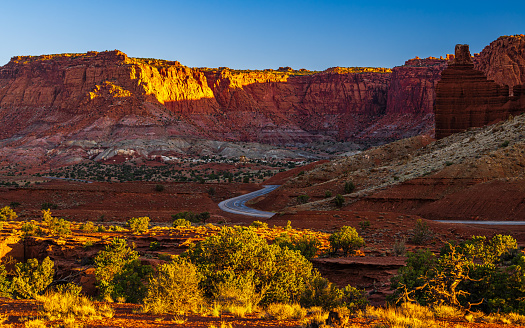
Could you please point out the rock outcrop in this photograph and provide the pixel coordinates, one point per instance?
(504, 60)
(465, 98)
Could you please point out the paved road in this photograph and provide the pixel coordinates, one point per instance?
(237, 204)
(484, 222)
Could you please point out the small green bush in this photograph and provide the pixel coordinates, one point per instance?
(422, 233)
(259, 224)
(303, 199)
(56, 226)
(159, 188)
(31, 229)
(88, 227)
(5, 284)
(181, 223)
(339, 200)
(327, 194)
(307, 244)
(349, 187)
(192, 217)
(347, 239)
(364, 224)
(32, 278)
(139, 225)
(7, 214)
(49, 206)
(174, 289)
(119, 273)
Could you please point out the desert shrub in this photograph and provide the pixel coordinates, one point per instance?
(154, 245)
(327, 194)
(323, 293)
(32, 278)
(237, 252)
(31, 229)
(119, 273)
(364, 224)
(422, 233)
(88, 227)
(49, 206)
(181, 223)
(303, 199)
(339, 200)
(138, 225)
(446, 311)
(307, 244)
(192, 217)
(487, 275)
(5, 284)
(7, 214)
(281, 311)
(399, 247)
(259, 224)
(159, 188)
(347, 239)
(349, 187)
(174, 288)
(56, 226)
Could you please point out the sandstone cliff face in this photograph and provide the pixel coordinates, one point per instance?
(504, 60)
(466, 98)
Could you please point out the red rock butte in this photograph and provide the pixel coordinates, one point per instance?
(466, 98)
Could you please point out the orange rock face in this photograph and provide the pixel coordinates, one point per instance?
(466, 98)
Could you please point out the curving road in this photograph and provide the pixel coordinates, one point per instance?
(237, 204)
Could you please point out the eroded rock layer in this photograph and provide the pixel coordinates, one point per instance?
(465, 98)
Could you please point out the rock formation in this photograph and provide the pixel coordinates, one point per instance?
(465, 98)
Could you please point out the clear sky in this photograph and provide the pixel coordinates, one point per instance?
(250, 34)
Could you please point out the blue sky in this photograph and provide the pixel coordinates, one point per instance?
(257, 34)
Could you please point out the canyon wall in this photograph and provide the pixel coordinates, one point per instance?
(465, 98)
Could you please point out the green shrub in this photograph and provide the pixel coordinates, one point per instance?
(31, 229)
(88, 227)
(328, 194)
(422, 233)
(192, 217)
(347, 239)
(259, 224)
(32, 278)
(307, 244)
(154, 245)
(7, 214)
(323, 293)
(181, 223)
(237, 252)
(349, 187)
(339, 200)
(174, 289)
(159, 188)
(238, 295)
(119, 273)
(49, 206)
(364, 224)
(303, 199)
(5, 284)
(139, 225)
(56, 226)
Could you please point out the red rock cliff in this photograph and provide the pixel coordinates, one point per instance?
(466, 98)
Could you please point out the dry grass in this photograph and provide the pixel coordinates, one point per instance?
(407, 315)
(280, 311)
(69, 307)
(447, 311)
